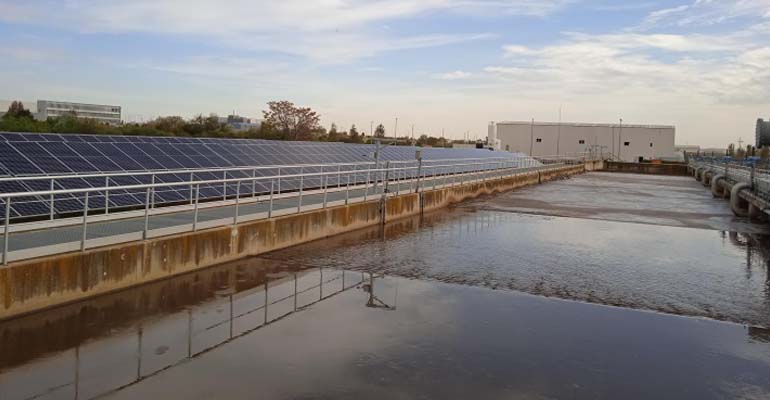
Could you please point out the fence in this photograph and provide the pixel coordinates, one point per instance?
(245, 198)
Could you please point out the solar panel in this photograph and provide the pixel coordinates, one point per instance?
(29, 154)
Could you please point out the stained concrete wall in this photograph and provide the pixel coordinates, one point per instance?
(644, 168)
(33, 285)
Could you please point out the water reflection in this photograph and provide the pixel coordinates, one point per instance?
(95, 347)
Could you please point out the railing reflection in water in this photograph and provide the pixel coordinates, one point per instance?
(89, 364)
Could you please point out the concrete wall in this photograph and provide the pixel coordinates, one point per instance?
(33, 285)
(645, 168)
(649, 142)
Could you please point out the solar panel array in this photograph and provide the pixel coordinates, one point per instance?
(174, 159)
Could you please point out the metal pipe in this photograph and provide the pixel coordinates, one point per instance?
(270, 209)
(237, 202)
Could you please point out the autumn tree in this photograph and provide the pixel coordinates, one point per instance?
(294, 123)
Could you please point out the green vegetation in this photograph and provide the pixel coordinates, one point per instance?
(282, 121)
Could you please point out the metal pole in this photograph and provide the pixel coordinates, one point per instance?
(347, 190)
(192, 179)
(419, 171)
(146, 213)
(152, 181)
(224, 186)
(195, 211)
(85, 222)
(299, 202)
(270, 208)
(237, 202)
(52, 199)
(107, 195)
(326, 188)
(6, 233)
(366, 185)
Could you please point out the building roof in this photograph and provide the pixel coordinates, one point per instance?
(583, 124)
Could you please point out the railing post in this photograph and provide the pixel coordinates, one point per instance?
(152, 182)
(366, 184)
(419, 171)
(237, 201)
(6, 232)
(347, 190)
(192, 179)
(195, 210)
(270, 208)
(85, 224)
(147, 212)
(51, 199)
(326, 187)
(339, 177)
(254, 183)
(299, 201)
(279, 180)
(224, 186)
(107, 195)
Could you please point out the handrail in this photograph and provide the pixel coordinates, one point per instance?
(220, 169)
(227, 180)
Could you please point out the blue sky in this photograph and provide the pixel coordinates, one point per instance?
(702, 65)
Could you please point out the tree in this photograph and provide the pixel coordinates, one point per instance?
(379, 132)
(355, 137)
(731, 150)
(295, 123)
(17, 110)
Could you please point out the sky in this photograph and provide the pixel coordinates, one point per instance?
(437, 65)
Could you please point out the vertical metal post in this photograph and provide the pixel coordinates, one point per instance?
(419, 172)
(152, 182)
(192, 179)
(85, 223)
(52, 199)
(107, 195)
(339, 167)
(366, 184)
(195, 210)
(279, 180)
(146, 213)
(237, 201)
(224, 186)
(347, 190)
(295, 291)
(6, 232)
(387, 179)
(254, 183)
(326, 185)
(270, 208)
(299, 201)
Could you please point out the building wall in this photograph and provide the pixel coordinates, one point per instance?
(627, 142)
(104, 113)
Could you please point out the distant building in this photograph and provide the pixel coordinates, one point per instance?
(625, 142)
(100, 112)
(762, 136)
(238, 123)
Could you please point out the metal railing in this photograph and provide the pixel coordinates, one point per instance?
(735, 172)
(310, 190)
(116, 181)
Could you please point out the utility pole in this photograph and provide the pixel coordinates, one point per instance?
(395, 131)
(412, 132)
(371, 128)
(531, 136)
(620, 138)
(558, 134)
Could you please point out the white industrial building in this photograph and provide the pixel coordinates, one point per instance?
(630, 143)
(101, 112)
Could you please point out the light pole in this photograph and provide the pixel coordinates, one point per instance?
(620, 138)
(395, 131)
(371, 128)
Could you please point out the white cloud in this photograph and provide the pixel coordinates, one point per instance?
(326, 31)
(452, 76)
(708, 12)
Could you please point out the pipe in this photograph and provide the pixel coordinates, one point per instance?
(735, 199)
(716, 186)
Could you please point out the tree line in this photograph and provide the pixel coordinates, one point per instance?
(283, 120)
